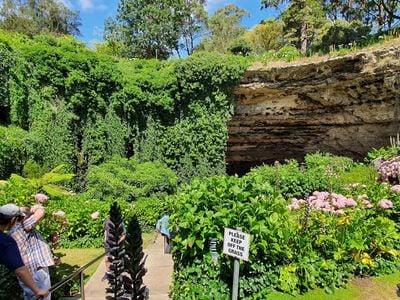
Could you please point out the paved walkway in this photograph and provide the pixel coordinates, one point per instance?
(157, 278)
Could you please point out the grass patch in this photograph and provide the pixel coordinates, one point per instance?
(80, 257)
(75, 258)
(373, 288)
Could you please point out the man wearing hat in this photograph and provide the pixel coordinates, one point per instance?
(34, 250)
(10, 255)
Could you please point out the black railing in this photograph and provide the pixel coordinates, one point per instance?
(73, 275)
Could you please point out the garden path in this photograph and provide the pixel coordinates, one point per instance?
(157, 279)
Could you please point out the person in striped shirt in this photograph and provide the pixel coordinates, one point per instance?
(35, 251)
(10, 256)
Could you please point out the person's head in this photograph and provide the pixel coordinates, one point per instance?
(9, 215)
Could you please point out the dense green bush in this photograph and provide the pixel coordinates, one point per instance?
(148, 211)
(13, 152)
(341, 33)
(320, 241)
(81, 107)
(127, 179)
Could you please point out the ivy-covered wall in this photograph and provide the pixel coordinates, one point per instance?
(79, 108)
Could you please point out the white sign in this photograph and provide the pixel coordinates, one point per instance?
(236, 243)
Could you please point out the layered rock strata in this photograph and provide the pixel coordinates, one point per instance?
(345, 105)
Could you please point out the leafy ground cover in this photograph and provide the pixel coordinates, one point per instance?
(311, 227)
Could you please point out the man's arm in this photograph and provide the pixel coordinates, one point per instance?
(38, 213)
(25, 276)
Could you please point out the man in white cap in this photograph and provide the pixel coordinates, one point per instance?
(10, 256)
(34, 250)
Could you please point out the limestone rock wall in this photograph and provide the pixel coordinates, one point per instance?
(345, 105)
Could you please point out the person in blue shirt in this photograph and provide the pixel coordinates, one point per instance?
(162, 227)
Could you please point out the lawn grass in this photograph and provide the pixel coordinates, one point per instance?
(79, 257)
(374, 288)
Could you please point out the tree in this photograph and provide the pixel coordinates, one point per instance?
(38, 16)
(224, 28)
(379, 14)
(148, 28)
(268, 35)
(194, 22)
(302, 19)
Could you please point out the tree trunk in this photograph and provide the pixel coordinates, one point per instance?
(303, 29)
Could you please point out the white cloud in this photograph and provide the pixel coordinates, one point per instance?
(67, 3)
(90, 5)
(86, 4)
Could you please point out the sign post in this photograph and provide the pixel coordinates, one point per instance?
(236, 244)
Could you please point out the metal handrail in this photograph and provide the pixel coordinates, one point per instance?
(73, 275)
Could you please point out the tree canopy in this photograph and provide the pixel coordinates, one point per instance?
(38, 16)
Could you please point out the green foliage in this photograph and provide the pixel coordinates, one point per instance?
(386, 153)
(189, 283)
(13, 152)
(359, 174)
(322, 161)
(52, 126)
(80, 109)
(83, 230)
(286, 53)
(240, 47)
(224, 27)
(148, 29)
(340, 34)
(21, 190)
(290, 251)
(302, 20)
(9, 287)
(129, 179)
(148, 211)
(40, 16)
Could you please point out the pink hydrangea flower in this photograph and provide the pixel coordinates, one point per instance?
(59, 213)
(396, 188)
(367, 204)
(42, 198)
(385, 203)
(95, 215)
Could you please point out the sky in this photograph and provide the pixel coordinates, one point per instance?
(94, 12)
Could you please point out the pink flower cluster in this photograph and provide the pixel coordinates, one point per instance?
(328, 202)
(365, 202)
(385, 203)
(396, 188)
(42, 198)
(389, 170)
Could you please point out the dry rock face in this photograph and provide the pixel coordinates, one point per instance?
(345, 105)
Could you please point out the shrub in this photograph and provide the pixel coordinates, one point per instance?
(323, 241)
(386, 153)
(342, 34)
(148, 211)
(127, 179)
(13, 152)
